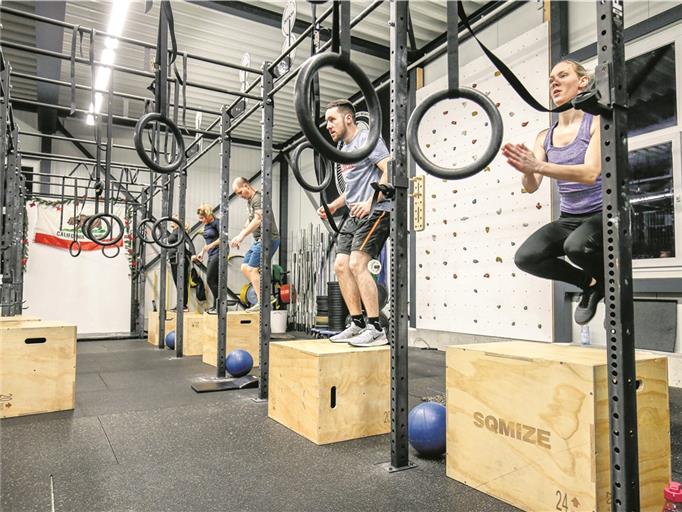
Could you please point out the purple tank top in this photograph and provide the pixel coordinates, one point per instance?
(575, 198)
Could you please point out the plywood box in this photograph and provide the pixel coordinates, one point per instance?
(6, 320)
(37, 368)
(153, 326)
(242, 332)
(329, 392)
(192, 334)
(528, 423)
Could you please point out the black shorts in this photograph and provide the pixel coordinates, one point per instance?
(367, 234)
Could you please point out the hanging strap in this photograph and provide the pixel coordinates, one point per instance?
(508, 73)
(166, 8)
(62, 202)
(75, 36)
(91, 56)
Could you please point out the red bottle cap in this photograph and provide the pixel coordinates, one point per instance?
(673, 492)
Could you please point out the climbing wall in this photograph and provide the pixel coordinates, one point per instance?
(466, 278)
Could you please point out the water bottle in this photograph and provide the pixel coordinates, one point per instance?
(585, 335)
(673, 497)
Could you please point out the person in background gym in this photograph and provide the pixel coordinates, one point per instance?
(570, 152)
(366, 230)
(251, 265)
(173, 260)
(212, 239)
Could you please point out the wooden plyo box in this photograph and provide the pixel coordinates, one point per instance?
(192, 334)
(153, 326)
(242, 332)
(17, 319)
(329, 392)
(37, 368)
(528, 423)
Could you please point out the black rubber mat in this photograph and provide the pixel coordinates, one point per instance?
(140, 439)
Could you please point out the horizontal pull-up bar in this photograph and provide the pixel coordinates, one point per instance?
(88, 88)
(73, 185)
(78, 160)
(86, 30)
(71, 139)
(77, 178)
(189, 131)
(124, 69)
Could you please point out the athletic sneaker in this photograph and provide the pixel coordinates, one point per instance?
(212, 311)
(351, 330)
(587, 306)
(254, 309)
(370, 337)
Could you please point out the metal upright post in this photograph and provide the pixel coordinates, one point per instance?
(399, 236)
(161, 106)
(266, 228)
(180, 250)
(19, 223)
(4, 109)
(5, 194)
(140, 275)
(14, 231)
(108, 208)
(283, 212)
(224, 248)
(611, 84)
(134, 290)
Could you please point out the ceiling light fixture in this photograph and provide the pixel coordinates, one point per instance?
(117, 18)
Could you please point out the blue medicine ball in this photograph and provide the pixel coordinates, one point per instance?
(170, 340)
(238, 363)
(426, 429)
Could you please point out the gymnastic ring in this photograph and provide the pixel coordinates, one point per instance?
(102, 241)
(307, 120)
(86, 228)
(468, 170)
(295, 168)
(179, 157)
(71, 251)
(158, 239)
(118, 251)
(141, 231)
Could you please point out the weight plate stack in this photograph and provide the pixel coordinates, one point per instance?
(322, 316)
(336, 307)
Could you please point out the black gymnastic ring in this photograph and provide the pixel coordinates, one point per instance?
(295, 168)
(78, 244)
(307, 120)
(141, 233)
(457, 173)
(86, 228)
(179, 157)
(118, 251)
(100, 241)
(181, 233)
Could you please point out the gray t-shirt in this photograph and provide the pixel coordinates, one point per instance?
(256, 205)
(360, 175)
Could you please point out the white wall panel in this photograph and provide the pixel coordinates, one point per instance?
(466, 278)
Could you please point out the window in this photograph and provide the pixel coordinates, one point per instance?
(652, 91)
(651, 192)
(654, 72)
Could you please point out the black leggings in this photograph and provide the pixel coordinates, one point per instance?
(174, 272)
(577, 236)
(212, 275)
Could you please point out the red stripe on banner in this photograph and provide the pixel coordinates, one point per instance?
(65, 243)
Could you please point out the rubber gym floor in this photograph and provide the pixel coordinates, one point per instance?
(141, 439)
